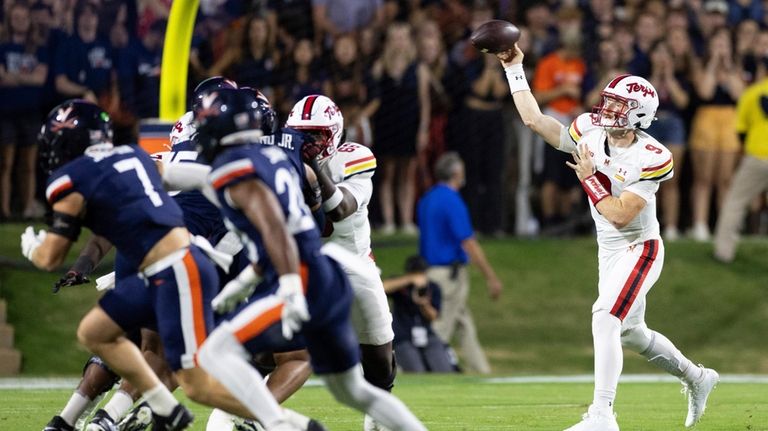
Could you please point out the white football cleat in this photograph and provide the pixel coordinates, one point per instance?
(596, 419)
(697, 393)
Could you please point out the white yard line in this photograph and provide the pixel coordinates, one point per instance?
(16, 383)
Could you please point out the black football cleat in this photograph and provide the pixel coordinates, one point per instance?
(101, 421)
(314, 425)
(179, 419)
(138, 419)
(58, 424)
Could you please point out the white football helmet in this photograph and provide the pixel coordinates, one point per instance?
(319, 117)
(627, 102)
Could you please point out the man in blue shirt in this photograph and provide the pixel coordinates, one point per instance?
(447, 243)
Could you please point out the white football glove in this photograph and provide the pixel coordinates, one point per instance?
(30, 241)
(295, 310)
(236, 291)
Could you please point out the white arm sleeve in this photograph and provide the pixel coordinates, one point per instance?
(185, 176)
(566, 143)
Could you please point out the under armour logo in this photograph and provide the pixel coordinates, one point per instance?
(518, 77)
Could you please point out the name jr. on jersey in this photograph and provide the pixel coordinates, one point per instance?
(285, 141)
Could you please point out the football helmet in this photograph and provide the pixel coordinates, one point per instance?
(269, 121)
(628, 102)
(223, 112)
(321, 119)
(211, 83)
(68, 130)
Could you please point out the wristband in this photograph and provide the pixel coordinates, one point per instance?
(332, 202)
(516, 78)
(595, 189)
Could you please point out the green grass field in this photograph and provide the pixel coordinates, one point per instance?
(447, 403)
(715, 313)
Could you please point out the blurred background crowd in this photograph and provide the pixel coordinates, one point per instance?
(411, 86)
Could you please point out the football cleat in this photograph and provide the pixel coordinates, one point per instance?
(58, 424)
(138, 419)
(101, 421)
(179, 419)
(697, 393)
(248, 425)
(596, 419)
(315, 426)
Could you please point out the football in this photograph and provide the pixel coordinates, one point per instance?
(495, 36)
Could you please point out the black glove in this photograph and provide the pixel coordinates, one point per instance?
(77, 275)
(71, 278)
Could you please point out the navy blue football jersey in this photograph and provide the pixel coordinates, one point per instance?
(124, 198)
(273, 167)
(290, 141)
(200, 215)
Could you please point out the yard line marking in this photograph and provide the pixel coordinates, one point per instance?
(628, 378)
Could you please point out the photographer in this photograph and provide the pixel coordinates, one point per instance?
(416, 303)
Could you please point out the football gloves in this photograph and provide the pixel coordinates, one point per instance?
(295, 311)
(71, 278)
(30, 241)
(236, 291)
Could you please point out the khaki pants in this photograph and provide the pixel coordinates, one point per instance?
(455, 317)
(750, 179)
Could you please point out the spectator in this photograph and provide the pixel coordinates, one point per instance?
(415, 304)
(647, 32)
(443, 82)
(332, 18)
(293, 21)
(751, 178)
(557, 85)
(253, 61)
(447, 243)
(347, 85)
(483, 127)
(302, 77)
(140, 72)
(714, 144)
(23, 68)
(84, 62)
(401, 124)
(609, 65)
(669, 129)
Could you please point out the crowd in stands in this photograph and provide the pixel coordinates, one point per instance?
(411, 86)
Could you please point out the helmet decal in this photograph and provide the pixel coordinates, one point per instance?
(306, 113)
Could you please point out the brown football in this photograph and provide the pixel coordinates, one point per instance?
(495, 36)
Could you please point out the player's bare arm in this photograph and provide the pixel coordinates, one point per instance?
(338, 203)
(617, 210)
(50, 254)
(261, 207)
(92, 253)
(544, 125)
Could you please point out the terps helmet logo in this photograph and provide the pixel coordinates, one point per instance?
(636, 87)
(330, 111)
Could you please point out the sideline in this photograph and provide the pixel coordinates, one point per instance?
(52, 383)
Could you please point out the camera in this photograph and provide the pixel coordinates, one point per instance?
(422, 290)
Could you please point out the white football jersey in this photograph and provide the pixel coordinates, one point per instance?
(351, 168)
(639, 169)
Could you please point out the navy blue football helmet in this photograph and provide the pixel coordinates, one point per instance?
(222, 112)
(269, 121)
(212, 83)
(68, 130)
